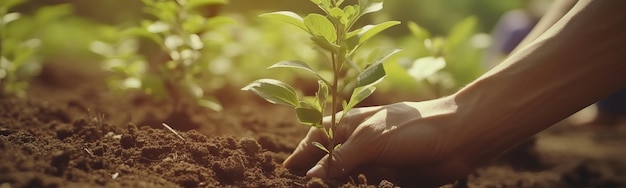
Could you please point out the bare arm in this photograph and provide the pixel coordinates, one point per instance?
(576, 62)
(571, 65)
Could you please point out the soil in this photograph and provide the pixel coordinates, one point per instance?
(71, 131)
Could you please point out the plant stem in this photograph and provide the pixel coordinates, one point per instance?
(333, 110)
(338, 61)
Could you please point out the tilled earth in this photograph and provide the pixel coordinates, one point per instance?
(71, 131)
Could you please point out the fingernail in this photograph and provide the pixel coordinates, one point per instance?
(316, 171)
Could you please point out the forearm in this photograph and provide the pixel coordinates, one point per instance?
(567, 68)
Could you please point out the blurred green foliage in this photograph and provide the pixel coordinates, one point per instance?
(234, 53)
(188, 33)
(32, 38)
(18, 60)
(443, 64)
(440, 16)
(437, 16)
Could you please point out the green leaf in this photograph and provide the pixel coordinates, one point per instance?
(330, 134)
(339, 2)
(210, 103)
(461, 32)
(337, 146)
(293, 64)
(274, 91)
(195, 42)
(173, 42)
(369, 6)
(371, 75)
(358, 95)
(426, 66)
(322, 94)
(318, 145)
(297, 64)
(365, 81)
(369, 31)
(194, 23)
(349, 13)
(192, 4)
(386, 56)
(141, 32)
(287, 16)
(420, 33)
(336, 12)
(8, 18)
(322, 4)
(218, 21)
(24, 52)
(359, 36)
(158, 27)
(364, 85)
(309, 116)
(319, 25)
(350, 10)
(194, 89)
(325, 44)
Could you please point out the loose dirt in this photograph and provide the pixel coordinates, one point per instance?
(71, 131)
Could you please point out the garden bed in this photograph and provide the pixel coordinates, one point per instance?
(72, 131)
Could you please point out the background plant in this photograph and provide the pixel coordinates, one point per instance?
(445, 63)
(255, 44)
(18, 52)
(333, 34)
(185, 33)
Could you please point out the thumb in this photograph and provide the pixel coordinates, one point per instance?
(344, 159)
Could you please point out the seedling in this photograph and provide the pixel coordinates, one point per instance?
(177, 28)
(332, 32)
(18, 60)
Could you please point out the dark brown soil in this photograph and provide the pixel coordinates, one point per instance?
(73, 132)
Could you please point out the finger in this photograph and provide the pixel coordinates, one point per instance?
(352, 153)
(344, 160)
(306, 154)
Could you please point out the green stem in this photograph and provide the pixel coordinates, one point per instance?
(338, 61)
(333, 110)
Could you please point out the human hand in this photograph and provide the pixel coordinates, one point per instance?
(408, 141)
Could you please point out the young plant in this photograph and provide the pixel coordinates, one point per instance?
(334, 34)
(18, 62)
(178, 70)
(444, 63)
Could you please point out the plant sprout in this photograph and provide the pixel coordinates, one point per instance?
(178, 29)
(334, 34)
